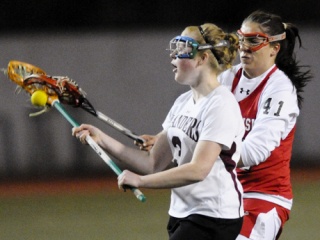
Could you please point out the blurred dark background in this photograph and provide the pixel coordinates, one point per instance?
(88, 14)
(115, 50)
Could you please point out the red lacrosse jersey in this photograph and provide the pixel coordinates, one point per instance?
(271, 176)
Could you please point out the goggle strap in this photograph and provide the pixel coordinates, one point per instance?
(202, 34)
(222, 43)
(205, 47)
(278, 37)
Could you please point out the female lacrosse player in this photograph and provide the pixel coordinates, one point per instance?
(197, 151)
(268, 85)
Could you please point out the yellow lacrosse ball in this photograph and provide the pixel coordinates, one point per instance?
(39, 98)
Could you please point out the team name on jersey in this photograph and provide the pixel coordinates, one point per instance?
(189, 125)
(248, 123)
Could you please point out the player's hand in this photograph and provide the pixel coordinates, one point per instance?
(127, 178)
(148, 144)
(85, 130)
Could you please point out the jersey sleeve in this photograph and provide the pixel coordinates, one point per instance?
(277, 114)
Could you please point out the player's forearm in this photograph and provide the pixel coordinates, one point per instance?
(264, 137)
(133, 159)
(172, 178)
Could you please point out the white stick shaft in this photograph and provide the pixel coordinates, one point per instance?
(119, 127)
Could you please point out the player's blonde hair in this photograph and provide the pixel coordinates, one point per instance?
(224, 56)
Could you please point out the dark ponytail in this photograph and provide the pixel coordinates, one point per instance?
(286, 61)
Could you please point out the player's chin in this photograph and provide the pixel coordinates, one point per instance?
(180, 79)
(177, 78)
(182, 82)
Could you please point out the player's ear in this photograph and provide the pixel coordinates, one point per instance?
(275, 49)
(203, 58)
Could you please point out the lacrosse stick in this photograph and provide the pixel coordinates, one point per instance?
(70, 93)
(66, 89)
(50, 93)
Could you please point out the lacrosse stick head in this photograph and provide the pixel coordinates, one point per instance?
(32, 79)
(17, 71)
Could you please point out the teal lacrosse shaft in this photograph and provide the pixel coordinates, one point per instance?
(98, 149)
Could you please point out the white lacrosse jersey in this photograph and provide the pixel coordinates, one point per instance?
(216, 118)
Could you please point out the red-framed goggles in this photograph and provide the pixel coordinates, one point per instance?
(256, 40)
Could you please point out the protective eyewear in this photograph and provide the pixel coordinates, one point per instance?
(186, 47)
(257, 40)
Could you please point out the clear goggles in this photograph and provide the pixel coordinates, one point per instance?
(186, 47)
(257, 40)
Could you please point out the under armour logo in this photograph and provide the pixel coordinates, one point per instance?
(247, 91)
